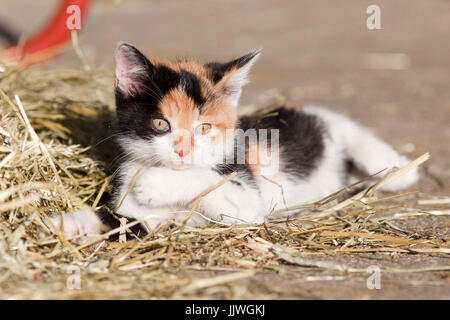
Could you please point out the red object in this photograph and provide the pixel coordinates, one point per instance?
(51, 39)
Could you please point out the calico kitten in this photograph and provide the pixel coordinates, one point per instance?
(181, 135)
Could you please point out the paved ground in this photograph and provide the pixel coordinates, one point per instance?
(395, 80)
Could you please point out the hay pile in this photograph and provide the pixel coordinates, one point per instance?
(49, 126)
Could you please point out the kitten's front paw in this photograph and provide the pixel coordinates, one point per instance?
(142, 192)
(158, 187)
(149, 189)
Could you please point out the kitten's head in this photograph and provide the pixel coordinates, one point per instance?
(177, 114)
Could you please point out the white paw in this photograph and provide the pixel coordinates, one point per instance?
(149, 192)
(142, 192)
(82, 223)
(404, 181)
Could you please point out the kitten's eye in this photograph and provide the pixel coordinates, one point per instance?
(160, 125)
(203, 128)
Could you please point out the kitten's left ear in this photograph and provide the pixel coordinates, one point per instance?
(230, 77)
(133, 70)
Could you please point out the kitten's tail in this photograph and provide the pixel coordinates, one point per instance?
(366, 151)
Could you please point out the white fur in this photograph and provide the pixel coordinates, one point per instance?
(369, 153)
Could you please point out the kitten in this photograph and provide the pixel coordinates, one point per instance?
(181, 135)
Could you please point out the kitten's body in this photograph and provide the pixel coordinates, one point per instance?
(161, 176)
(252, 196)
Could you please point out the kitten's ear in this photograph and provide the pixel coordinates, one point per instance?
(233, 75)
(133, 70)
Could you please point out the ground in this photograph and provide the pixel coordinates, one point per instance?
(394, 80)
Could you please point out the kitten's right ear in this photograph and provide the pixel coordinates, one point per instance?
(133, 70)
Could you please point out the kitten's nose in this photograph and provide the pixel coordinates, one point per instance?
(182, 143)
(181, 153)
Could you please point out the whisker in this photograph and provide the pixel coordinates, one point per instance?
(161, 95)
(107, 138)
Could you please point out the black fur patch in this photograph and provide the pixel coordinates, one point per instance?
(112, 221)
(300, 138)
(243, 171)
(191, 85)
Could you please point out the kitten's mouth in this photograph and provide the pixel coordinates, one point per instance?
(178, 166)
